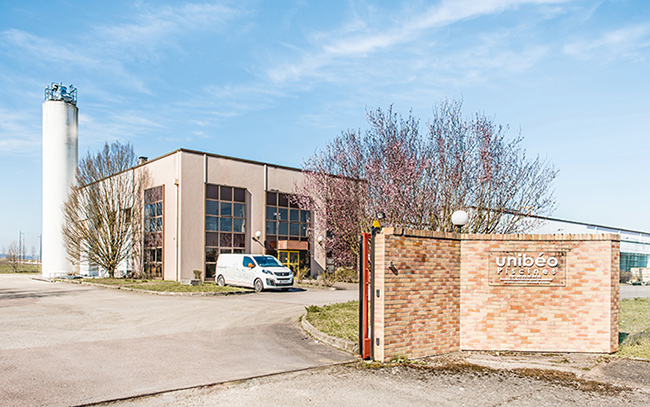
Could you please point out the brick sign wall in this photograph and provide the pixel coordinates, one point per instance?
(419, 298)
(439, 293)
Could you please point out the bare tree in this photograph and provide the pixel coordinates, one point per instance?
(13, 256)
(103, 214)
(419, 180)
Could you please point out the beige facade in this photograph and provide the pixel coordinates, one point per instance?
(185, 175)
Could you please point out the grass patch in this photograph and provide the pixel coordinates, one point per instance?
(339, 320)
(26, 268)
(160, 285)
(173, 286)
(114, 281)
(634, 327)
(634, 315)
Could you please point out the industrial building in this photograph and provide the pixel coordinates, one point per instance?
(198, 205)
(635, 245)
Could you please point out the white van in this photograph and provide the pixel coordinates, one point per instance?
(253, 270)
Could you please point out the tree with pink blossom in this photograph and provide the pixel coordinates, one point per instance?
(419, 179)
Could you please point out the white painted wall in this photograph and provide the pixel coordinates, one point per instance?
(60, 153)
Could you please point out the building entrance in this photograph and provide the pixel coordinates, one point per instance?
(290, 258)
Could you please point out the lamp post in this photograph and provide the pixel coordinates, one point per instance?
(459, 219)
(258, 234)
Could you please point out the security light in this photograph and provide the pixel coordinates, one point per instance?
(459, 219)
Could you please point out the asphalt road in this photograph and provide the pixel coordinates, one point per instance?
(68, 344)
(634, 291)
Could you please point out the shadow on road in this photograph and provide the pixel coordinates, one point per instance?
(8, 294)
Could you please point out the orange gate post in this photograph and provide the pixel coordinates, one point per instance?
(365, 336)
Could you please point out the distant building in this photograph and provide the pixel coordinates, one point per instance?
(635, 245)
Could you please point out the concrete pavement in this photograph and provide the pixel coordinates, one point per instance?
(634, 291)
(68, 344)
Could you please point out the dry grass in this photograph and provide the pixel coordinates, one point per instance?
(173, 286)
(163, 286)
(28, 268)
(634, 327)
(339, 320)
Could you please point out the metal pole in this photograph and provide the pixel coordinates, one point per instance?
(372, 294)
(365, 345)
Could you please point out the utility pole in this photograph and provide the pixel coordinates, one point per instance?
(20, 245)
(40, 248)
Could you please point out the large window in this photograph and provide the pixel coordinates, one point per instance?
(284, 220)
(225, 223)
(153, 232)
(633, 260)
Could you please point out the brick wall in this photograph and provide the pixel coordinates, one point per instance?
(417, 311)
(445, 293)
(579, 316)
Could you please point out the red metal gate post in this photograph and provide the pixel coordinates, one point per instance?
(365, 340)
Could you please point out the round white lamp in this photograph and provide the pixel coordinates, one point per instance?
(459, 219)
(258, 234)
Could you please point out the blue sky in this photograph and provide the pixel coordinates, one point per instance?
(273, 81)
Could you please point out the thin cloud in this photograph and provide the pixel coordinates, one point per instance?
(18, 135)
(624, 42)
(360, 44)
(154, 28)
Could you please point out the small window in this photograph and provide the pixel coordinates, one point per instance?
(240, 195)
(212, 239)
(239, 240)
(272, 198)
(211, 255)
(225, 239)
(211, 223)
(211, 208)
(239, 210)
(209, 270)
(238, 225)
(212, 192)
(226, 193)
(283, 200)
(248, 262)
(226, 209)
(225, 225)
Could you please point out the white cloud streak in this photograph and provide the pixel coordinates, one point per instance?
(623, 42)
(361, 44)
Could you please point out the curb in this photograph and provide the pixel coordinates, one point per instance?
(168, 293)
(342, 344)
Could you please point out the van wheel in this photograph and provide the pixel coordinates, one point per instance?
(221, 281)
(258, 285)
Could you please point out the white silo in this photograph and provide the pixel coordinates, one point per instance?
(59, 171)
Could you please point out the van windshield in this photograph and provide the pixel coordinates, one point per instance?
(267, 261)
